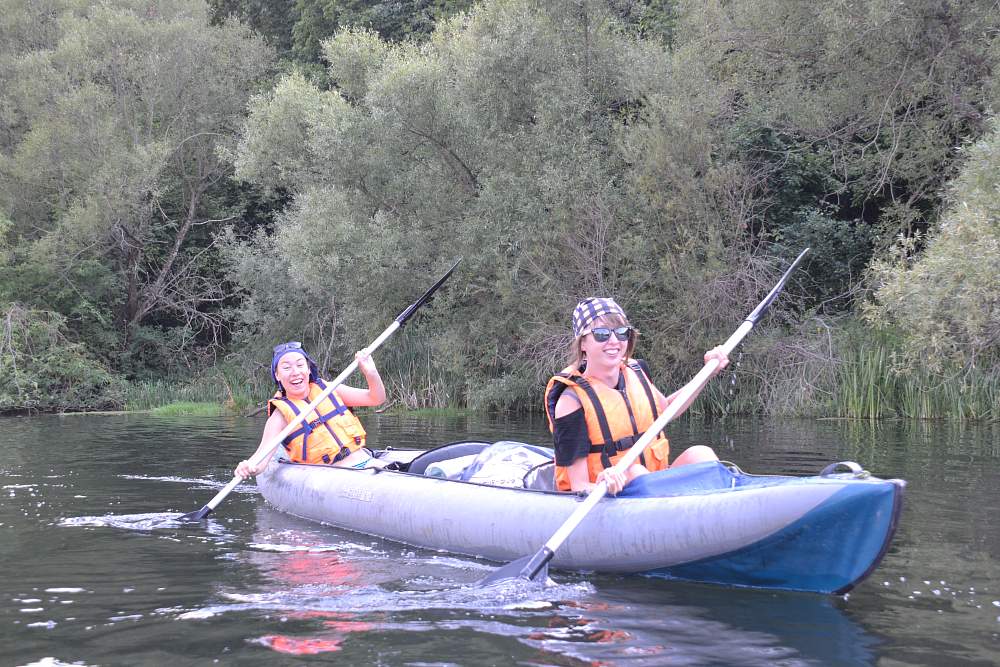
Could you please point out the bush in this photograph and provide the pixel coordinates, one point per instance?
(41, 370)
(947, 298)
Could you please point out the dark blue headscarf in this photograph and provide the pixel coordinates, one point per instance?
(292, 346)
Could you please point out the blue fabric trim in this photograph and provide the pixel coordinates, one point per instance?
(684, 480)
(826, 551)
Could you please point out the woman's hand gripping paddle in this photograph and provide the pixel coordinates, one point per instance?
(265, 454)
(535, 567)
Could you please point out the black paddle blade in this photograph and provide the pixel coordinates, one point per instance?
(762, 307)
(197, 515)
(529, 568)
(412, 308)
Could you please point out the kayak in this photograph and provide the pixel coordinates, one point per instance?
(706, 522)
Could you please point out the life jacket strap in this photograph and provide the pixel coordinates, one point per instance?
(602, 417)
(339, 456)
(307, 427)
(616, 446)
(338, 409)
(646, 387)
(304, 430)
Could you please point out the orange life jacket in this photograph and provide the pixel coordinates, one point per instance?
(615, 420)
(326, 435)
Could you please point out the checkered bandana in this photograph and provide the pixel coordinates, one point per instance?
(590, 309)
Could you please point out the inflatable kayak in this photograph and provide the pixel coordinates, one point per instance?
(708, 522)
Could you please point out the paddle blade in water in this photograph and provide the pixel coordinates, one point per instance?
(530, 568)
(197, 515)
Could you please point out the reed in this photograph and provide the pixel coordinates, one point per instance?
(725, 397)
(221, 387)
(189, 408)
(150, 394)
(865, 387)
(869, 385)
(415, 378)
(857, 374)
(430, 412)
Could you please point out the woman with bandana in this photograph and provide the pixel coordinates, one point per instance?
(610, 404)
(331, 434)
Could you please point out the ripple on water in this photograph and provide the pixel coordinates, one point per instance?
(513, 594)
(142, 522)
(195, 482)
(317, 548)
(66, 590)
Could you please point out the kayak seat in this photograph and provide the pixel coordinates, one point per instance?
(452, 450)
(506, 463)
(542, 477)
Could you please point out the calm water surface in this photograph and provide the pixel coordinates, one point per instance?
(88, 578)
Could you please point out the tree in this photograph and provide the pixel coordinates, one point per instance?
(297, 28)
(850, 112)
(530, 139)
(945, 301)
(113, 161)
(42, 369)
(272, 19)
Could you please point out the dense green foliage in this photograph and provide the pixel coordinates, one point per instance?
(850, 112)
(297, 28)
(116, 115)
(502, 140)
(41, 369)
(947, 298)
(169, 194)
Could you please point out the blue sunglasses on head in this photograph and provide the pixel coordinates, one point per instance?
(285, 347)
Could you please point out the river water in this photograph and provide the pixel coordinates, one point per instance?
(91, 577)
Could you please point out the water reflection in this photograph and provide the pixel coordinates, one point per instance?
(328, 586)
(294, 561)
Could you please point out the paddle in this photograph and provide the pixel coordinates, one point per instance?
(264, 454)
(536, 566)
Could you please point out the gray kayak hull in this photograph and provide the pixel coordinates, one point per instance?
(821, 534)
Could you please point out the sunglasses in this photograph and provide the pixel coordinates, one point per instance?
(602, 334)
(285, 347)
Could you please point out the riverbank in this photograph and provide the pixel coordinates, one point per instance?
(208, 409)
(856, 375)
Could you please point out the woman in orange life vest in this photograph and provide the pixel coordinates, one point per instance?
(336, 436)
(610, 404)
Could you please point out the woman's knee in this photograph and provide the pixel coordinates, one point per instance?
(696, 454)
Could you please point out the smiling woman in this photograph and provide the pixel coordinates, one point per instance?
(332, 434)
(611, 404)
